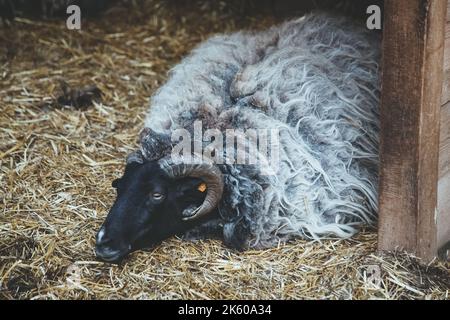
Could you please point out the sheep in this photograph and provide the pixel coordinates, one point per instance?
(315, 80)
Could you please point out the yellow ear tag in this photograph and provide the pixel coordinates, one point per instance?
(202, 187)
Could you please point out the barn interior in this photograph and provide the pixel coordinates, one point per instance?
(72, 104)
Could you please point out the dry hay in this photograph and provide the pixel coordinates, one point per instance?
(57, 164)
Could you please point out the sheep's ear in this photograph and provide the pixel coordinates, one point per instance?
(115, 183)
(154, 144)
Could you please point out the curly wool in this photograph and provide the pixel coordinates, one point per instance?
(316, 80)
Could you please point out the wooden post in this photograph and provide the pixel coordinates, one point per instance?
(413, 49)
(443, 220)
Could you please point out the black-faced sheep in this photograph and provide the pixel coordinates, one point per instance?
(315, 80)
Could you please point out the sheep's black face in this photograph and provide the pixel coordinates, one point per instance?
(147, 210)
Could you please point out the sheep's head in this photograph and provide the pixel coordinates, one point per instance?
(156, 200)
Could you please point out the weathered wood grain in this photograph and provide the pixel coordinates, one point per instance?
(446, 83)
(443, 219)
(413, 51)
(444, 143)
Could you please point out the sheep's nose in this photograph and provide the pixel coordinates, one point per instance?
(107, 249)
(103, 246)
(107, 254)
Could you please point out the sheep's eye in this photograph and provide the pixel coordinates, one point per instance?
(157, 196)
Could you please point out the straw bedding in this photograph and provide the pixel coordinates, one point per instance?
(57, 163)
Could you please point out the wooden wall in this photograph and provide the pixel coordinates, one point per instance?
(411, 100)
(446, 87)
(443, 219)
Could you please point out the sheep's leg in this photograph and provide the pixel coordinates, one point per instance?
(210, 229)
(236, 234)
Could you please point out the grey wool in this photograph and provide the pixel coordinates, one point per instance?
(316, 80)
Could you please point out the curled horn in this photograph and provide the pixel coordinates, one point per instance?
(135, 157)
(209, 173)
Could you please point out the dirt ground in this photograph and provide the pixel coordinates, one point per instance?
(57, 164)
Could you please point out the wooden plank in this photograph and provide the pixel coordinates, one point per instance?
(448, 10)
(444, 142)
(443, 219)
(413, 50)
(446, 83)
